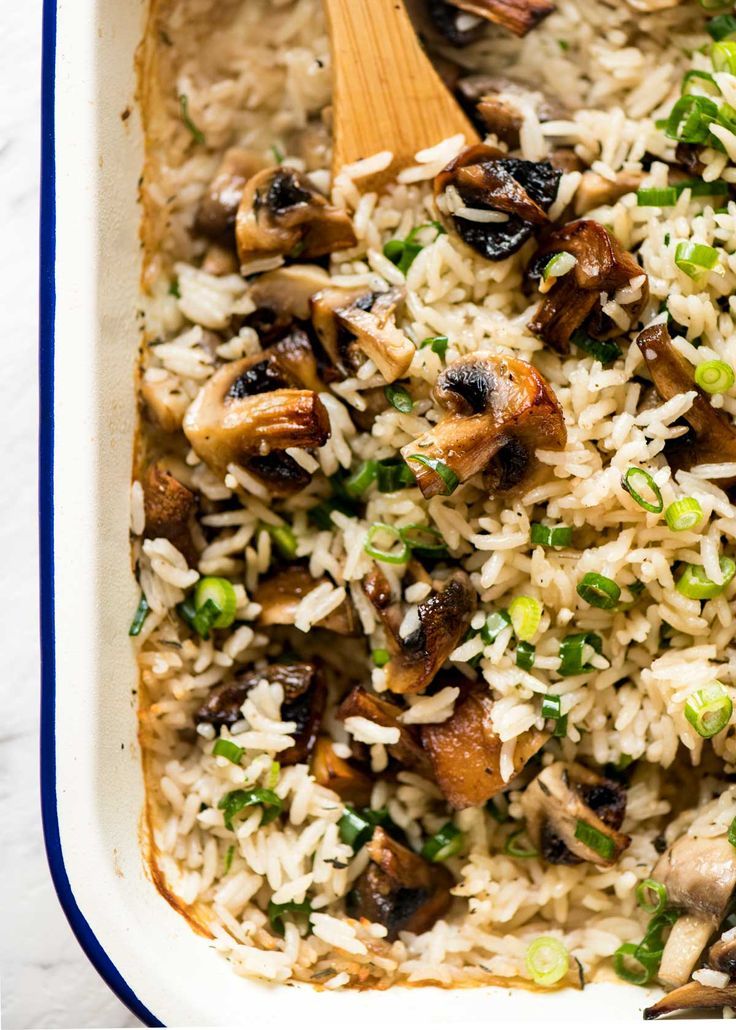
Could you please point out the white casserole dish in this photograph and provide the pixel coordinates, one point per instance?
(91, 772)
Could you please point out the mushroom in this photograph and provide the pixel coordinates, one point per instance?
(574, 301)
(692, 995)
(722, 953)
(408, 750)
(713, 436)
(305, 695)
(465, 751)
(219, 205)
(518, 16)
(399, 889)
(165, 398)
(351, 784)
(688, 156)
(497, 104)
(350, 324)
(494, 202)
(287, 291)
(438, 626)
(573, 815)
(699, 874)
(282, 212)
(595, 190)
(500, 411)
(251, 410)
(281, 594)
(168, 507)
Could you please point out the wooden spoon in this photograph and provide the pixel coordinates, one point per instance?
(387, 95)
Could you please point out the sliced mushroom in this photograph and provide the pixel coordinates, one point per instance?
(700, 876)
(399, 889)
(494, 202)
(169, 506)
(688, 155)
(574, 302)
(465, 751)
(220, 260)
(348, 782)
(692, 995)
(500, 411)
(281, 594)
(408, 750)
(497, 104)
(287, 291)
(457, 27)
(441, 622)
(722, 953)
(165, 399)
(713, 436)
(563, 804)
(282, 212)
(305, 695)
(595, 190)
(517, 16)
(219, 205)
(355, 323)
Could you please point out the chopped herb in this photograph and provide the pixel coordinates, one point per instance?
(141, 614)
(197, 134)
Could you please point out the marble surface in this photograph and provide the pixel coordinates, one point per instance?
(45, 979)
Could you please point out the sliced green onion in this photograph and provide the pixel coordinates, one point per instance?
(683, 514)
(696, 78)
(445, 473)
(438, 344)
(695, 258)
(274, 774)
(721, 26)
(403, 252)
(392, 475)
(173, 290)
(399, 398)
(321, 516)
(444, 844)
(551, 706)
(206, 618)
(525, 655)
(516, 849)
(558, 265)
(560, 729)
(635, 480)
(380, 657)
(639, 974)
(714, 376)
(700, 188)
(572, 650)
(499, 812)
(278, 154)
(594, 839)
(276, 913)
(426, 541)
(197, 134)
(605, 351)
(229, 855)
(547, 961)
(236, 800)
(723, 56)
(495, 623)
(386, 554)
(357, 483)
(651, 895)
(694, 583)
(600, 591)
(709, 710)
(222, 593)
(551, 536)
(227, 749)
(690, 118)
(141, 614)
(732, 833)
(356, 826)
(713, 5)
(283, 539)
(525, 614)
(665, 196)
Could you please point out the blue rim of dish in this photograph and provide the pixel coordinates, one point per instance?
(47, 299)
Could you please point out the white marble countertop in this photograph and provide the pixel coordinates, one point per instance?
(47, 981)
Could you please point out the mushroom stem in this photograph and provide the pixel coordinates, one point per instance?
(687, 939)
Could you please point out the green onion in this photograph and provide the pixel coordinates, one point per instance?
(721, 26)
(399, 398)
(356, 827)
(714, 376)
(519, 850)
(695, 258)
(321, 516)
(426, 541)
(274, 774)
(386, 554)
(709, 710)
(600, 591)
(547, 961)
(640, 974)
(723, 56)
(393, 474)
(637, 479)
(380, 657)
(694, 583)
(403, 252)
(206, 618)
(222, 593)
(173, 290)
(683, 514)
(276, 913)
(278, 154)
(227, 749)
(525, 655)
(594, 839)
(712, 5)
(197, 134)
(141, 614)
(558, 265)
(444, 844)
(572, 650)
(700, 188)
(493, 626)
(605, 351)
(551, 536)
(646, 955)
(525, 614)
(644, 893)
(229, 855)
(704, 80)
(690, 118)
(236, 800)
(498, 812)
(732, 833)
(445, 473)
(551, 706)
(357, 483)
(438, 344)
(654, 197)
(283, 539)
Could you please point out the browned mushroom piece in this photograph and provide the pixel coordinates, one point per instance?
(282, 212)
(351, 784)
(497, 103)
(219, 205)
(594, 190)
(494, 202)
(281, 593)
(350, 324)
(441, 623)
(465, 751)
(305, 696)
(713, 436)
(408, 750)
(399, 889)
(287, 291)
(574, 302)
(692, 995)
(165, 400)
(722, 953)
(169, 506)
(699, 874)
(251, 410)
(500, 411)
(313, 145)
(517, 16)
(573, 815)
(688, 156)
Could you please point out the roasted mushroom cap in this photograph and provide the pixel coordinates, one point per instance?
(287, 291)
(348, 782)
(168, 506)
(497, 103)
(692, 995)
(350, 324)
(408, 750)
(282, 212)
(700, 876)
(566, 807)
(574, 302)
(595, 190)
(518, 16)
(713, 437)
(280, 595)
(219, 205)
(722, 953)
(465, 752)
(494, 202)
(305, 695)
(441, 622)
(399, 889)
(500, 411)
